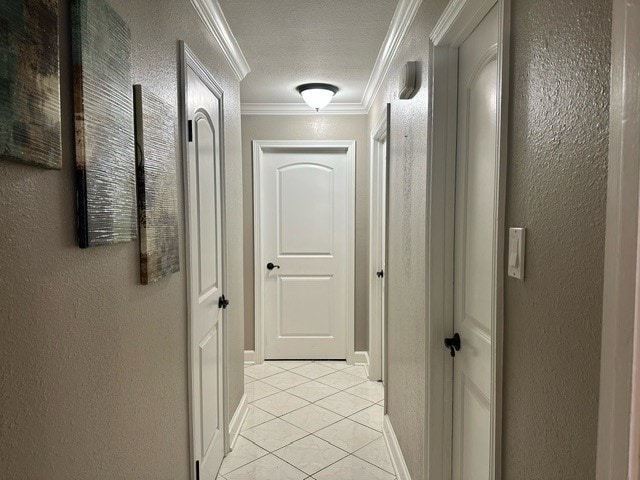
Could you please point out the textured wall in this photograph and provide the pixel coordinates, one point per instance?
(406, 273)
(557, 189)
(93, 376)
(310, 127)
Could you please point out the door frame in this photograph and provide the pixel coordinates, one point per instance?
(259, 147)
(619, 407)
(459, 19)
(377, 326)
(187, 59)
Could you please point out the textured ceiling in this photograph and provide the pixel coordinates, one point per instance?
(289, 42)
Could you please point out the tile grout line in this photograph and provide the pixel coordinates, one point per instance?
(312, 434)
(308, 434)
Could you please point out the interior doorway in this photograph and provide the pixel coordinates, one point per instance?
(377, 247)
(304, 204)
(203, 151)
(466, 240)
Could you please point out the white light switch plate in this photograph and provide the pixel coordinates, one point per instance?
(516, 253)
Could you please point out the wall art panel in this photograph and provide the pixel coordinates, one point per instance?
(105, 154)
(30, 83)
(157, 188)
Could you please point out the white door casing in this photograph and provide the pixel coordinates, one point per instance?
(203, 146)
(304, 202)
(467, 201)
(377, 247)
(618, 455)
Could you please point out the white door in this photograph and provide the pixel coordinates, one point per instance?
(205, 260)
(305, 264)
(377, 246)
(476, 249)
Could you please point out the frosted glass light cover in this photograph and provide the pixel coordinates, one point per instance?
(317, 97)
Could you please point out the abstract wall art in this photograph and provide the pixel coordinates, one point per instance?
(157, 188)
(30, 83)
(105, 153)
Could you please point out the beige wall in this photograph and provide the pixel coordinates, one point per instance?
(406, 273)
(310, 127)
(93, 370)
(556, 188)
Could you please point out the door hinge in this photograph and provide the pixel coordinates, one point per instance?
(223, 302)
(197, 469)
(190, 130)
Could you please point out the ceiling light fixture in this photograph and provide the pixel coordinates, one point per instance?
(317, 95)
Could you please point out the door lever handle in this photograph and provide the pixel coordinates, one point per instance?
(453, 344)
(223, 302)
(271, 266)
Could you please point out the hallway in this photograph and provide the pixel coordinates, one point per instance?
(310, 420)
(439, 195)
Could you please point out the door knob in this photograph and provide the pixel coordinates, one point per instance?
(271, 266)
(223, 302)
(453, 344)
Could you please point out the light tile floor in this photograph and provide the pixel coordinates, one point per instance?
(310, 420)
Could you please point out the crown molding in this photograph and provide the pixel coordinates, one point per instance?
(400, 23)
(213, 18)
(302, 109)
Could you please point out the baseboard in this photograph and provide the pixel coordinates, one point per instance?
(362, 358)
(399, 465)
(235, 425)
(249, 357)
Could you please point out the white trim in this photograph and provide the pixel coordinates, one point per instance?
(397, 459)
(213, 18)
(239, 416)
(301, 109)
(400, 23)
(343, 145)
(249, 357)
(376, 324)
(187, 60)
(458, 20)
(362, 359)
(618, 457)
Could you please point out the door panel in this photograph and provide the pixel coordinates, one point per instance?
(475, 444)
(207, 223)
(476, 248)
(305, 206)
(305, 306)
(205, 258)
(480, 204)
(303, 214)
(211, 421)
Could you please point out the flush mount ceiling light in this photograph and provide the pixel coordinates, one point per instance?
(317, 95)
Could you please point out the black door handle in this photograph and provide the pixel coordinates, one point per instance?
(380, 274)
(223, 302)
(453, 344)
(271, 266)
